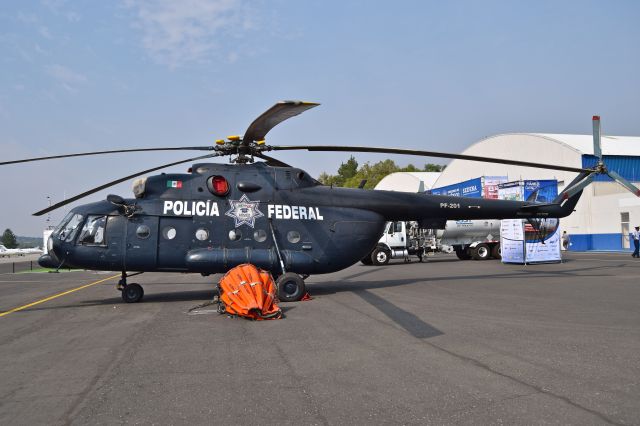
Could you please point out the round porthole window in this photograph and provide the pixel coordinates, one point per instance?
(169, 233)
(235, 234)
(143, 232)
(293, 237)
(260, 235)
(202, 234)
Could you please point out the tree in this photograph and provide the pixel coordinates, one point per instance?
(349, 169)
(350, 176)
(9, 239)
(429, 167)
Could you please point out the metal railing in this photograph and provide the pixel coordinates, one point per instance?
(13, 267)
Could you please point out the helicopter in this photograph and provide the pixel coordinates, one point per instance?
(267, 213)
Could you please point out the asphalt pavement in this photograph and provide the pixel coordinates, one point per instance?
(441, 342)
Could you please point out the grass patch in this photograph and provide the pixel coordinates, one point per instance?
(45, 270)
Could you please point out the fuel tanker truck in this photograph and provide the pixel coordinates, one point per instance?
(469, 239)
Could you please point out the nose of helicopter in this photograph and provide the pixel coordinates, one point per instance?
(47, 261)
(50, 260)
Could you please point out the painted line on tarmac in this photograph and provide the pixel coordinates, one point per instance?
(55, 296)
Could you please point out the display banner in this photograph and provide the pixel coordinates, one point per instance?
(543, 245)
(511, 191)
(535, 246)
(469, 188)
(540, 191)
(490, 186)
(512, 241)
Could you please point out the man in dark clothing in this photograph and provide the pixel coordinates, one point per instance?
(636, 242)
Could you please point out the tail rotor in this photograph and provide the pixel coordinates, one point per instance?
(600, 167)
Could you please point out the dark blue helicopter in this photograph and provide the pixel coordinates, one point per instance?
(267, 213)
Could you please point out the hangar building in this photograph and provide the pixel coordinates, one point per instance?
(606, 212)
(408, 181)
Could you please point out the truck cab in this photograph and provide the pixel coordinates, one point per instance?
(399, 240)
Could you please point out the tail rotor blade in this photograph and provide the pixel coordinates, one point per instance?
(573, 189)
(622, 181)
(597, 147)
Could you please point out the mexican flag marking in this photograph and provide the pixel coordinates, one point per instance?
(174, 184)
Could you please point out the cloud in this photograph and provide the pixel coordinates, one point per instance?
(178, 32)
(44, 32)
(68, 78)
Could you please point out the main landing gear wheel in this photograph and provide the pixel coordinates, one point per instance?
(132, 293)
(291, 287)
(380, 256)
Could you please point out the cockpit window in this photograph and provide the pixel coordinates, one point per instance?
(93, 231)
(64, 221)
(69, 230)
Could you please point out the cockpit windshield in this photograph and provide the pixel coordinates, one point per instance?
(69, 229)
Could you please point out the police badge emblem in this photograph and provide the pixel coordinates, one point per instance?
(244, 211)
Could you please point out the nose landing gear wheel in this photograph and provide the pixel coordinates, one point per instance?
(291, 287)
(132, 293)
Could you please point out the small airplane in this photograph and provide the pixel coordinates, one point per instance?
(6, 252)
(268, 213)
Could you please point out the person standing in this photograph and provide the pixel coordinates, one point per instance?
(566, 240)
(636, 242)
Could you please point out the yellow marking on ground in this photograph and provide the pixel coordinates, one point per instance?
(55, 296)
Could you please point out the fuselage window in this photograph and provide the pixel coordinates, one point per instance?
(202, 234)
(143, 232)
(169, 233)
(235, 234)
(260, 235)
(293, 237)
(69, 231)
(93, 231)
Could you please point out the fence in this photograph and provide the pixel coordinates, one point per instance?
(13, 267)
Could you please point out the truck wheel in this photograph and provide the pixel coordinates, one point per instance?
(366, 260)
(462, 254)
(495, 252)
(380, 256)
(481, 252)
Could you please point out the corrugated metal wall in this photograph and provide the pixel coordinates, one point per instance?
(627, 166)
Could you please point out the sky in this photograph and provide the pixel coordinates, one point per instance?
(81, 76)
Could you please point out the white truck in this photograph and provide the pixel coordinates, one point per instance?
(400, 240)
(470, 239)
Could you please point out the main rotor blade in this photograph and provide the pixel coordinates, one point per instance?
(622, 181)
(429, 154)
(597, 148)
(115, 182)
(270, 160)
(275, 115)
(182, 148)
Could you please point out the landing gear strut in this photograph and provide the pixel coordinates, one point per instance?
(131, 293)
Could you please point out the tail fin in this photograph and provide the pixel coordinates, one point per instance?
(569, 197)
